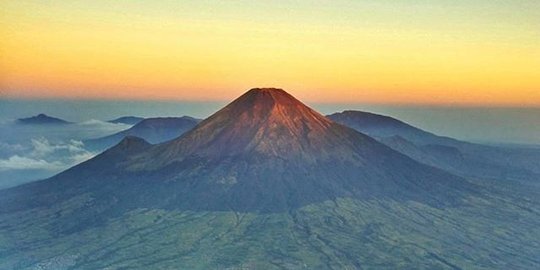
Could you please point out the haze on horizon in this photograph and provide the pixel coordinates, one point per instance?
(408, 52)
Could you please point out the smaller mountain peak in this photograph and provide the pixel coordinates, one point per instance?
(41, 119)
(355, 118)
(129, 120)
(267, 121)
(133, 140)
(128, 146)
(132, 143)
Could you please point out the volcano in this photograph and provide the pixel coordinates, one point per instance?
(264, 183)
(265, 152)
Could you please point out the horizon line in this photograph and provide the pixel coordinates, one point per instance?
(314, 102)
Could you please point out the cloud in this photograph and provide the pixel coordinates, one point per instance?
(94, 123)
(42, 147)
(17, 162)
(7, 150)
(10, 147)
(44, 155)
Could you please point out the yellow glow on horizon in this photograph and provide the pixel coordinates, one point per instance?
(82, 52)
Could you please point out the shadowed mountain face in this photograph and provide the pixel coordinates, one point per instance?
(458, 157)
(267, 152)
(42, 119)
(153, 130)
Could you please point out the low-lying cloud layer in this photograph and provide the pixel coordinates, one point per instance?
(17, 162)
(33, 152)
(44, 155)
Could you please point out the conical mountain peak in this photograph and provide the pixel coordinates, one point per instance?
(265, 101)
(267, 151)
(132, 143)
(277, 96)
(267, 90)
(264, 121)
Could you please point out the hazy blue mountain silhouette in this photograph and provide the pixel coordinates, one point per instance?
(128, 120)
(42, 119)
(459, 157)
(153, 130)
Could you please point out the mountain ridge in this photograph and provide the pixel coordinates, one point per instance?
(128, 120)
(154, 130)
(265, 151)
(458, 157)
(42, 119)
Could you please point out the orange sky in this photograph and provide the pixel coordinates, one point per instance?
(441, 52)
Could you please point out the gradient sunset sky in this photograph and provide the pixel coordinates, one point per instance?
(479, 52)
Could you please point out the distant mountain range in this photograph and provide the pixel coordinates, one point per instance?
(42, 119)
(153, 130)
(266, 151)
(459, 157)
(266, 183)
(128, 120)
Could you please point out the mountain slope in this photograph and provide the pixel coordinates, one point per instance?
(153, 130)
(459, 157)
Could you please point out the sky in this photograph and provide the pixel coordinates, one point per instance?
(436, 52)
